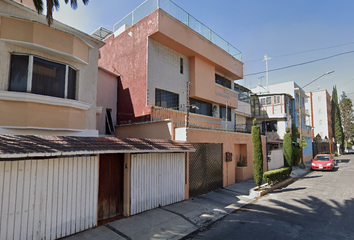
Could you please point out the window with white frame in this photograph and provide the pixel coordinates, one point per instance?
(263, 101)
(276, 99)
(269, 100)
(266, 101)
(36, 75)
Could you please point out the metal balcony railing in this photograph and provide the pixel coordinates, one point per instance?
(180, 14)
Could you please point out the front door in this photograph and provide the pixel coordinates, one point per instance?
(110, 190)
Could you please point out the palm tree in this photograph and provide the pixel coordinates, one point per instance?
(50, 7)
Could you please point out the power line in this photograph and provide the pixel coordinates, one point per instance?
(346, 83)
(311, 50)
(299, 64)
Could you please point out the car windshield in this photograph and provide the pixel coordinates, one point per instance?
(322, 158)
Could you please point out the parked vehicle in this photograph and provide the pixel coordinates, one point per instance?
(322, 162)
(349, 151)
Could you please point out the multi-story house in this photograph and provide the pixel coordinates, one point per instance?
(57, 177)
(284, 94)
(318, 107)
(176, 82)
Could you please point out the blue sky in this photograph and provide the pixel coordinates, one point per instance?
(297, 29)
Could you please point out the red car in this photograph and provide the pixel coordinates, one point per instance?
(322, 162)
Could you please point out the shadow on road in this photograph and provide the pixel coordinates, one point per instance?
(317, 176)
(344, 160)
(280, 190)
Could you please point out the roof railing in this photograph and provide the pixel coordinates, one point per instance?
(180, 14)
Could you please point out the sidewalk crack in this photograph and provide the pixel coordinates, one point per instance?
(181, 215)
(118, 232)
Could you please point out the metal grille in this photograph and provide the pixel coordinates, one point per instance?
(205, 168)
(320, 147)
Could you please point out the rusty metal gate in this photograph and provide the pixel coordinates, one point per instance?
(205, 168)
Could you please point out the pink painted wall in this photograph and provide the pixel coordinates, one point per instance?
(126, 55)
(229, 140)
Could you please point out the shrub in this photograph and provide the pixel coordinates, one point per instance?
(277, 175)
(288, 149)
(257, 154)
(242, 162)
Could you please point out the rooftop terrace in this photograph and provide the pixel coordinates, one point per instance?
(178, 13)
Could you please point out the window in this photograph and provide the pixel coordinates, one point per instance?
(269, 100)
(306, 100)
(166, 99)
(222, 81)
(200, 107)
(109, 122)
(263, 101)
(276, 99)
(319, 111)
(223, 113)
(39, 76)
(271, 126)
(181, 65)
(320, 122)
(302, 101)
(319, 98)
(255, 106)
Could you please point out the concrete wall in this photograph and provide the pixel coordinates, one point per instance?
(107, 93)
(164, 72)
(129, 55)
(320, 113)
(231, 143)
(154, 130)
(56, 50)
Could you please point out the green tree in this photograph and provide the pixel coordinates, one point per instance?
(296, 151)
(288, 149)
(336, 119)
(347, 117)
(51, 4)
(257, 154)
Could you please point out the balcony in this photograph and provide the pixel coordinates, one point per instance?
(181, 15)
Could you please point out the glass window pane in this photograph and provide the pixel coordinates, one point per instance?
(223, 113)
(166, 99)
(72, 84)
(222, 81)
(48, 78)
(18, 73)
(200, 107)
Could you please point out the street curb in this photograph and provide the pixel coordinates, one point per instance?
(254, 193)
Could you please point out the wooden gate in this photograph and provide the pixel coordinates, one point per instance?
(110, 190)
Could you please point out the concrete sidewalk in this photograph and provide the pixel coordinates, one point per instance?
(177, 220)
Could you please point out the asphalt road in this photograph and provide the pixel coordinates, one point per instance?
(318, 206)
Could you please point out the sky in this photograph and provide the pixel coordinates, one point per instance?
(316, 36)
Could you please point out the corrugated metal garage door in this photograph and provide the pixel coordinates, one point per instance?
(47, 198)
(156, 179)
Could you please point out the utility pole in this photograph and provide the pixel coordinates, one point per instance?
(266, 58)
(187, 107)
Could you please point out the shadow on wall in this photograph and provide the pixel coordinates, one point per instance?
(125, 109)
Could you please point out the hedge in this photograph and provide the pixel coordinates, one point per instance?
(257, 154)
(276, 175)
